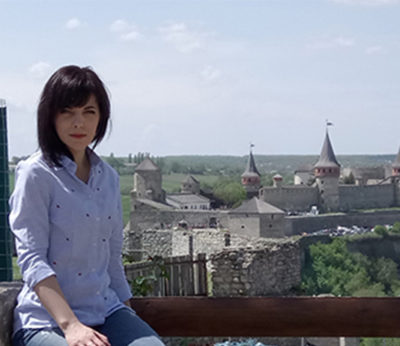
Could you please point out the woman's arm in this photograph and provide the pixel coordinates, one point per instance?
(76, 333)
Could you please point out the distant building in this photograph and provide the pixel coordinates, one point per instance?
(255, 218)
(147, 181)
(396, 165)
(372, 188)
(327, 172)
(303, 175)
(251, 177)
(190, 185)
(188, 201)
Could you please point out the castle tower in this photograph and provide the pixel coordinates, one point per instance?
(190, 185)
(251, 177)
(327, 171)
(5, 234)
(396, 165)
(147, 181)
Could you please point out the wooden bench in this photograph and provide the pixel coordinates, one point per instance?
(278, 316)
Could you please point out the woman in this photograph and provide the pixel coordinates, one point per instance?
(67, 220)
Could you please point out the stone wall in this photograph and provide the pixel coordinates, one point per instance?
(8, 295)
(291, 198)
(272, 270)
(206, 241)
(367, 196)
(170, 242)
(308, 224)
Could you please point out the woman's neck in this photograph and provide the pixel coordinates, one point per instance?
(82, 166)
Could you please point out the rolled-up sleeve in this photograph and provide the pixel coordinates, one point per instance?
(29, 221)
(116, 269)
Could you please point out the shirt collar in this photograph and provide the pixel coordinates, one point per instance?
(70, 165)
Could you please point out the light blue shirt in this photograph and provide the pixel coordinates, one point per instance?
(70, 229)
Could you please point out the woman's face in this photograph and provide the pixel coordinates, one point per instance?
(76, 126)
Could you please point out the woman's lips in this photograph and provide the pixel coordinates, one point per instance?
(77, 135)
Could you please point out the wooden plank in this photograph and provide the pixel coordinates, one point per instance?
(202, 274)
(281, 316)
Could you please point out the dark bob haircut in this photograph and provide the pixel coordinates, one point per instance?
(70, 86)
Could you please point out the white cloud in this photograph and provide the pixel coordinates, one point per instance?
(130, 36)
(73, 23)
(374, 50)
(337, 42)
(119, 25)
(210, 73)
(182, 38)
(125, 30)
(368, 2)
(343, 42)
(40, 69)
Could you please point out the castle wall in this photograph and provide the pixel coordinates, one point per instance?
(148, 185)
(367, 196)
(290, 198)
(247, 225)
(272, 226)
(273, 270)
(308, 224)
(146, 217)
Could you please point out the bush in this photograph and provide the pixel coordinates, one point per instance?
(381, 230)
(396, 228)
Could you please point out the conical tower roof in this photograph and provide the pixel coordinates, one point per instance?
(251, 169)
(396, 162)
(147, 165)
(327, 157)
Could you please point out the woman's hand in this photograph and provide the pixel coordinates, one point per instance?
(77, 334)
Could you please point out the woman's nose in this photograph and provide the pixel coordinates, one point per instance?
(77, 120)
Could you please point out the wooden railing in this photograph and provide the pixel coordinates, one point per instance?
(183, 275)
(280, 316)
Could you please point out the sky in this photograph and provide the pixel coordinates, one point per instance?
(209, 77)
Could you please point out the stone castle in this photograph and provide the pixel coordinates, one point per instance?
(268, 212)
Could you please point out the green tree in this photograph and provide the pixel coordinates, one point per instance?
(116, 163)
(350, 180)
(395, 228)
(334, 269)
(231, 192)
(381, 230)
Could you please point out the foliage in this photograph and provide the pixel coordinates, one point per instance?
(381, 230)
(143, 285)
(334, 269)
(380, 341)
(230, 191)
(350, 180)
(395, 228)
